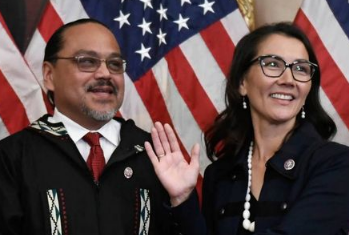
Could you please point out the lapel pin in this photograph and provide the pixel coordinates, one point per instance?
(128, 172)
(138, 148)
(289, 164)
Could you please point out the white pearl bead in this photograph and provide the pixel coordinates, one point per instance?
(246, 214)
(247, 205)
(246, 224)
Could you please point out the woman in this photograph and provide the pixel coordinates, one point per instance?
(276, 172)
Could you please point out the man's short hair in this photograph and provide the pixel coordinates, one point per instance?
(55, 43)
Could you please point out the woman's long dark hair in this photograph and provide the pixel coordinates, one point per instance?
(233, 127)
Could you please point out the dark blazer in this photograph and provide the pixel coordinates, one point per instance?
(45, 186)
(312, 198)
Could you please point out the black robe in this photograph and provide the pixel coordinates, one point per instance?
(47, 188)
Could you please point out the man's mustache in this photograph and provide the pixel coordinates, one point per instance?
(102, 83)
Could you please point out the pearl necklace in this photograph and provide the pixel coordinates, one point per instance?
(247, 224)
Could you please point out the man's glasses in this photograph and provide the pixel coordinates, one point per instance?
(273, 66)
(90, 64)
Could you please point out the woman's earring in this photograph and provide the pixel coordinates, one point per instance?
(244, 104)
(303, 113)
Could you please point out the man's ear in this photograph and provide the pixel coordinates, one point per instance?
(47, 72)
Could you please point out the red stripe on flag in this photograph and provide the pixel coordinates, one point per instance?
(154, 103)
(190, 89)
(52, 22)
(12, 111)
(157, 109)
(220, 45)
(333, 82)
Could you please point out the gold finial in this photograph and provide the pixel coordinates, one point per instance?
(247, 9)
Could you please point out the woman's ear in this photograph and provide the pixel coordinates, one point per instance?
(47, 72)
(242, 88)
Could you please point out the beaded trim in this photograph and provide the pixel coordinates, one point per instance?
(55, 212)
(43, 126)
(144, 212)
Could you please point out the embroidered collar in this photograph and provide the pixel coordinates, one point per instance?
(43, 124)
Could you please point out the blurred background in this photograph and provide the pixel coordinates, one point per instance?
(268, 11)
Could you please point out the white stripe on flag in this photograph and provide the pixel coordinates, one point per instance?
(207, 70)
(235, 26)
(69, 10)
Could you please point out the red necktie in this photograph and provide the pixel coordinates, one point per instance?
(95, 160)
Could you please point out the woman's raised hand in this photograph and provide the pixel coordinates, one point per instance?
(177, 175)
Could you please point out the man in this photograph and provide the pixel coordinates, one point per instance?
(53, 178)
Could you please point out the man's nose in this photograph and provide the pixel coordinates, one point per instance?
(103, 70)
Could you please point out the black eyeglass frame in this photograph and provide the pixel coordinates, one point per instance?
(313, 66)
(76, 59)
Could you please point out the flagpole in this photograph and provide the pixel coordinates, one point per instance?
(247, 9)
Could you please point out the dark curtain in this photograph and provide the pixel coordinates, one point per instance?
(22, 17)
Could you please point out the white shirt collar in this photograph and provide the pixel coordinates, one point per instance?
(110, 131)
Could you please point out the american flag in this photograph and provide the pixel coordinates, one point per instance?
(178, 53)
(326, 23)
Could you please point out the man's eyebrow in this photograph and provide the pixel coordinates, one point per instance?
(95, 54)
(86, 52)
(115, 54)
